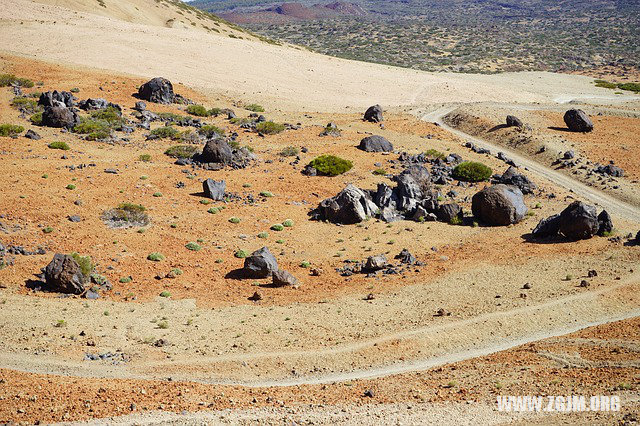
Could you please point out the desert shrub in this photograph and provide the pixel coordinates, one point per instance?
(71, 187)
(145, 158)
(215, 112)
(36, 119)
(25, 104)
(289, 151)
(165, 294)
(263, 235)
(605, 84)
(59, 145)
(266, 194)
(287, 223)
(86, 266)
(193, 246)
(157, 194)
(87, 126)
(10, 79)
(305, 264)
(126, 214)
(238, 121)
(330, 165)
(269, 127)
(155, 257)
(434, 153)
(254, 108)
(197, 110)
(380, 172)
(181, 151)
(634, 87)
(213, 210)
(241, 254)
(166, 132)
(471, 171)
(210, 131)
(126, 280)
(47, 230)
(277, 227)
(110, 115)
(234, 220)
(10, 130)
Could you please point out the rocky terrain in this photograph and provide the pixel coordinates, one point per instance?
(594, 37)
(176, 253)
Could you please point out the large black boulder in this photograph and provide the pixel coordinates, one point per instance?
(59, 116)
(547, 227)
(350, 206)
(373, 114)
(63, 274)
(449, 212)
(261, 264)
(217, 151)
(214, 189)
(375, 143)
(578, 121)
(499, 205)
(605, 224)
(158, 90)
(579, 221)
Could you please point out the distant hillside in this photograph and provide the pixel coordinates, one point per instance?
(454, 35)
(165, 13)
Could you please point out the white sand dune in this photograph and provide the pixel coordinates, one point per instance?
(250, 70)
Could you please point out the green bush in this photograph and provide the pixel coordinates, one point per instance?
(59, 145)
(127, 214)
(193, 246)
(380, 172)
(109, 115)
(145, 158)
(434, 153)
(71, 186)
(269, 127)
(234, 220)
(87, 126)
(86, 266)
(287, 223)
(26, 104)
(36, 119)
(215, 112)
(241, 254)
(166, 132)
(210, 131)
(263, 235)
(156, 257)
(330, 165)
(290, 151)
(165, 294)
(197, 110)
(239, 121)
(254, 108)
(471, 171)
(181, 151)
(266, 194)
(633, 87)
(10, 79)
(10, 130)
(277, 227)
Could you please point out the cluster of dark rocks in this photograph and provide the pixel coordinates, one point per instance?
(58, 109)
(331, 129)
(262, 264)
(218, 154)
(20, 250)
(413, 198)
(374, 265)
(513, 178)
(578, 221)
(5, 258)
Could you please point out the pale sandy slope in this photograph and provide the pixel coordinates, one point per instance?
(284, 77)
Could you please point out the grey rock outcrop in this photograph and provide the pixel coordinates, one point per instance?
(499, 205)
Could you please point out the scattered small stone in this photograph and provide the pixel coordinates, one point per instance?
(74, 218)
(526, 286)
(256, 296)
(369, 296)
(368, 393)
(442, 313)
(592, 273)
(584, 283)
